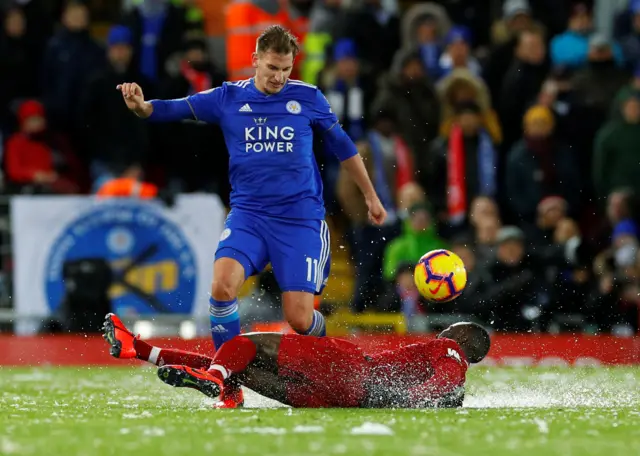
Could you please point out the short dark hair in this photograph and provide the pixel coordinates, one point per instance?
(277, 39)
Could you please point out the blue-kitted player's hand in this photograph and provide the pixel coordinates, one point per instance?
(377, 213)
(134, 99)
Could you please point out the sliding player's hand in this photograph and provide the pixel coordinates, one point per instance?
(377, 214)
(133, 96)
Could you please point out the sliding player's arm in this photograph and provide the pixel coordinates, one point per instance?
(444, 376)
(204, 106)
(443, 389)
(337, 141)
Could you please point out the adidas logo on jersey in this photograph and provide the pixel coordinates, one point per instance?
(246, 108)
(219, 329)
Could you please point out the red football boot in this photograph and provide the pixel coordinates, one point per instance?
(184, 376)
(119, 337)
(231, 397)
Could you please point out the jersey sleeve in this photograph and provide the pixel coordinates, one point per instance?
(446, 383)
(439, 365)
(207, 106)
(325, 124)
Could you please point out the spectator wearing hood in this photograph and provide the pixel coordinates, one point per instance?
(615, 160)
(408, 92)
(630, 89)
(424, 27)
(38, 158)
(462, 86)
(466, 163)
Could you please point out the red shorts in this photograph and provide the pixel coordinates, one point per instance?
(321, 371)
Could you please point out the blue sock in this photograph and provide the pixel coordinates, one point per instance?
(318, 327)
(225, 321)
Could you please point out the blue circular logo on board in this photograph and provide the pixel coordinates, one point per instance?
(153, 264)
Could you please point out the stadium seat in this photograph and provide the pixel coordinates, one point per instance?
(343, 322)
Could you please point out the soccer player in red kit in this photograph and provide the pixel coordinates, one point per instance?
(307, 371)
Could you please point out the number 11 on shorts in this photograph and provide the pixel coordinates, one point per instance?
(312, 270)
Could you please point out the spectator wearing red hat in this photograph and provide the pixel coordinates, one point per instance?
(37, 157)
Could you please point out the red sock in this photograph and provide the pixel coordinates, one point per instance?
(162, 356)
(233, 357)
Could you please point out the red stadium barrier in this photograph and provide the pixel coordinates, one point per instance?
(505, 350)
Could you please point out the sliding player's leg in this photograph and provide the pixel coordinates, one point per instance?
(241, 253)
(249, 360)
(300, 255)
(124, 344)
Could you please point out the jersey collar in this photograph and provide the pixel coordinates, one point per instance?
(252, 86)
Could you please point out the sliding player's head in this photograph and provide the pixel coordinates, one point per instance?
(473, 339)
(276, 50)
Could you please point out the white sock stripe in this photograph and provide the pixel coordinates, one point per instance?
(318, 324)
(221, 369)
(223, 311)
(153, 356)
(325, 254)
(323, 249)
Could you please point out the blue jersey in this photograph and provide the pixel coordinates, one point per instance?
(272, 167)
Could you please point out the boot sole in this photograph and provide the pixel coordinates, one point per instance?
(109, 334)
(182, 379)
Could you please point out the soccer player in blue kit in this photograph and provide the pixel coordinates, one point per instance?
(277, 211)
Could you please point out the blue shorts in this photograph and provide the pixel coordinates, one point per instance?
(298, 250)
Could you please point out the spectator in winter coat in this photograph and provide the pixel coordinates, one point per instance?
(615, 160)
(37, 157)
(524, 77)
(408, 92)
(72, 56)
(465, 165)
(114, 140)
(539, 166)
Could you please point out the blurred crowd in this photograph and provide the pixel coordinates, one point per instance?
(507, 132)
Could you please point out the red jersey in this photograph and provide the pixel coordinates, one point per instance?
(328, 372)
(418, 375)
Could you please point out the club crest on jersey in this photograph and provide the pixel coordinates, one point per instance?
(294, 107)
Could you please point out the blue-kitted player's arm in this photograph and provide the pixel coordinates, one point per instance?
(204, 106)
(335, 140)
